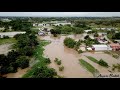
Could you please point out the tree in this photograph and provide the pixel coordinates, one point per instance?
(69, 42)
(86, 37)
(44, 72)
(23, 62)
(96, 35)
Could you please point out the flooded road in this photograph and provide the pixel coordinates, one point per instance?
(70, 58)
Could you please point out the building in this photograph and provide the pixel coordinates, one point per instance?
(101, 47)
(115, 46)
(87, 31)
(41, 33)
(10, 34)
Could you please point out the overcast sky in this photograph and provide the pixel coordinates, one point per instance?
(60, 14)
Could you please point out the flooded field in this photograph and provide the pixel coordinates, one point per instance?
(5, 48)
(70, 58)
(18, 74)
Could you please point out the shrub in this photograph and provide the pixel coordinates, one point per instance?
(80, 51)
(56, 59)
(115, 56)
(44, 72)
(5, 37)
(59, 62)
(23, 62)
(47, 60)
(69, 42)
(61, 68)
(103, 63)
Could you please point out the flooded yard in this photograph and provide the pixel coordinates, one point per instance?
(70, 58)
(5, 48)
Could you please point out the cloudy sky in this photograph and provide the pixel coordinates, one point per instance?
(60, 14)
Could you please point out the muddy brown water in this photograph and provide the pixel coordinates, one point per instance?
(70, 58)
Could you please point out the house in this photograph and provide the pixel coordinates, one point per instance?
(41, 33)
(101, 47)
(10, 34)
(115, 46)
(87, 31)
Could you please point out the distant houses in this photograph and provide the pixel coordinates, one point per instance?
(55, 23)
(109, 29)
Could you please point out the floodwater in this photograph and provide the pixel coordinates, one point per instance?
(18, 74)
(70, 58)
(5, 48)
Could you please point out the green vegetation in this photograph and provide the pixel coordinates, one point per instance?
(78, 43)
(43, 72)
(100, 62)
(88, 66)
(23, 62)
(113, 54)
(7, 41)
(103, 63)
(117, 66)
(57, 61)
(80, 51)
(116, 56)
(61, 68)
(69, 42)
(40, 70)
(92, 59)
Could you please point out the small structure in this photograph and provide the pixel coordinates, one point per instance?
(115, 47)
(41, 33)
(10, 34)
(87, 31)
(101, 47)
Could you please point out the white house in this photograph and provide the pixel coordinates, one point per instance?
(87, 31)
(101, 47)
(10, 34)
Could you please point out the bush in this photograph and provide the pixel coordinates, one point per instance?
(103, 63)
(56, 59)
(69, 42)
(23, 62)
(5, 37)
(59, 62)
(47, 60)
(115, 56)
(44, 72)
(96, 35)
(61, 68)
(80, 51)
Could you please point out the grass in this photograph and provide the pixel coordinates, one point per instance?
(7, 41)
(88, 66)
(38, 54)
(114, 54)
(92, 59)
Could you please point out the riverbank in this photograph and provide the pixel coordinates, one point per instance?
(38, 57)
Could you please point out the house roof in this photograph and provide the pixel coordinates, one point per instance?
(114, 44)
(100, 45)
